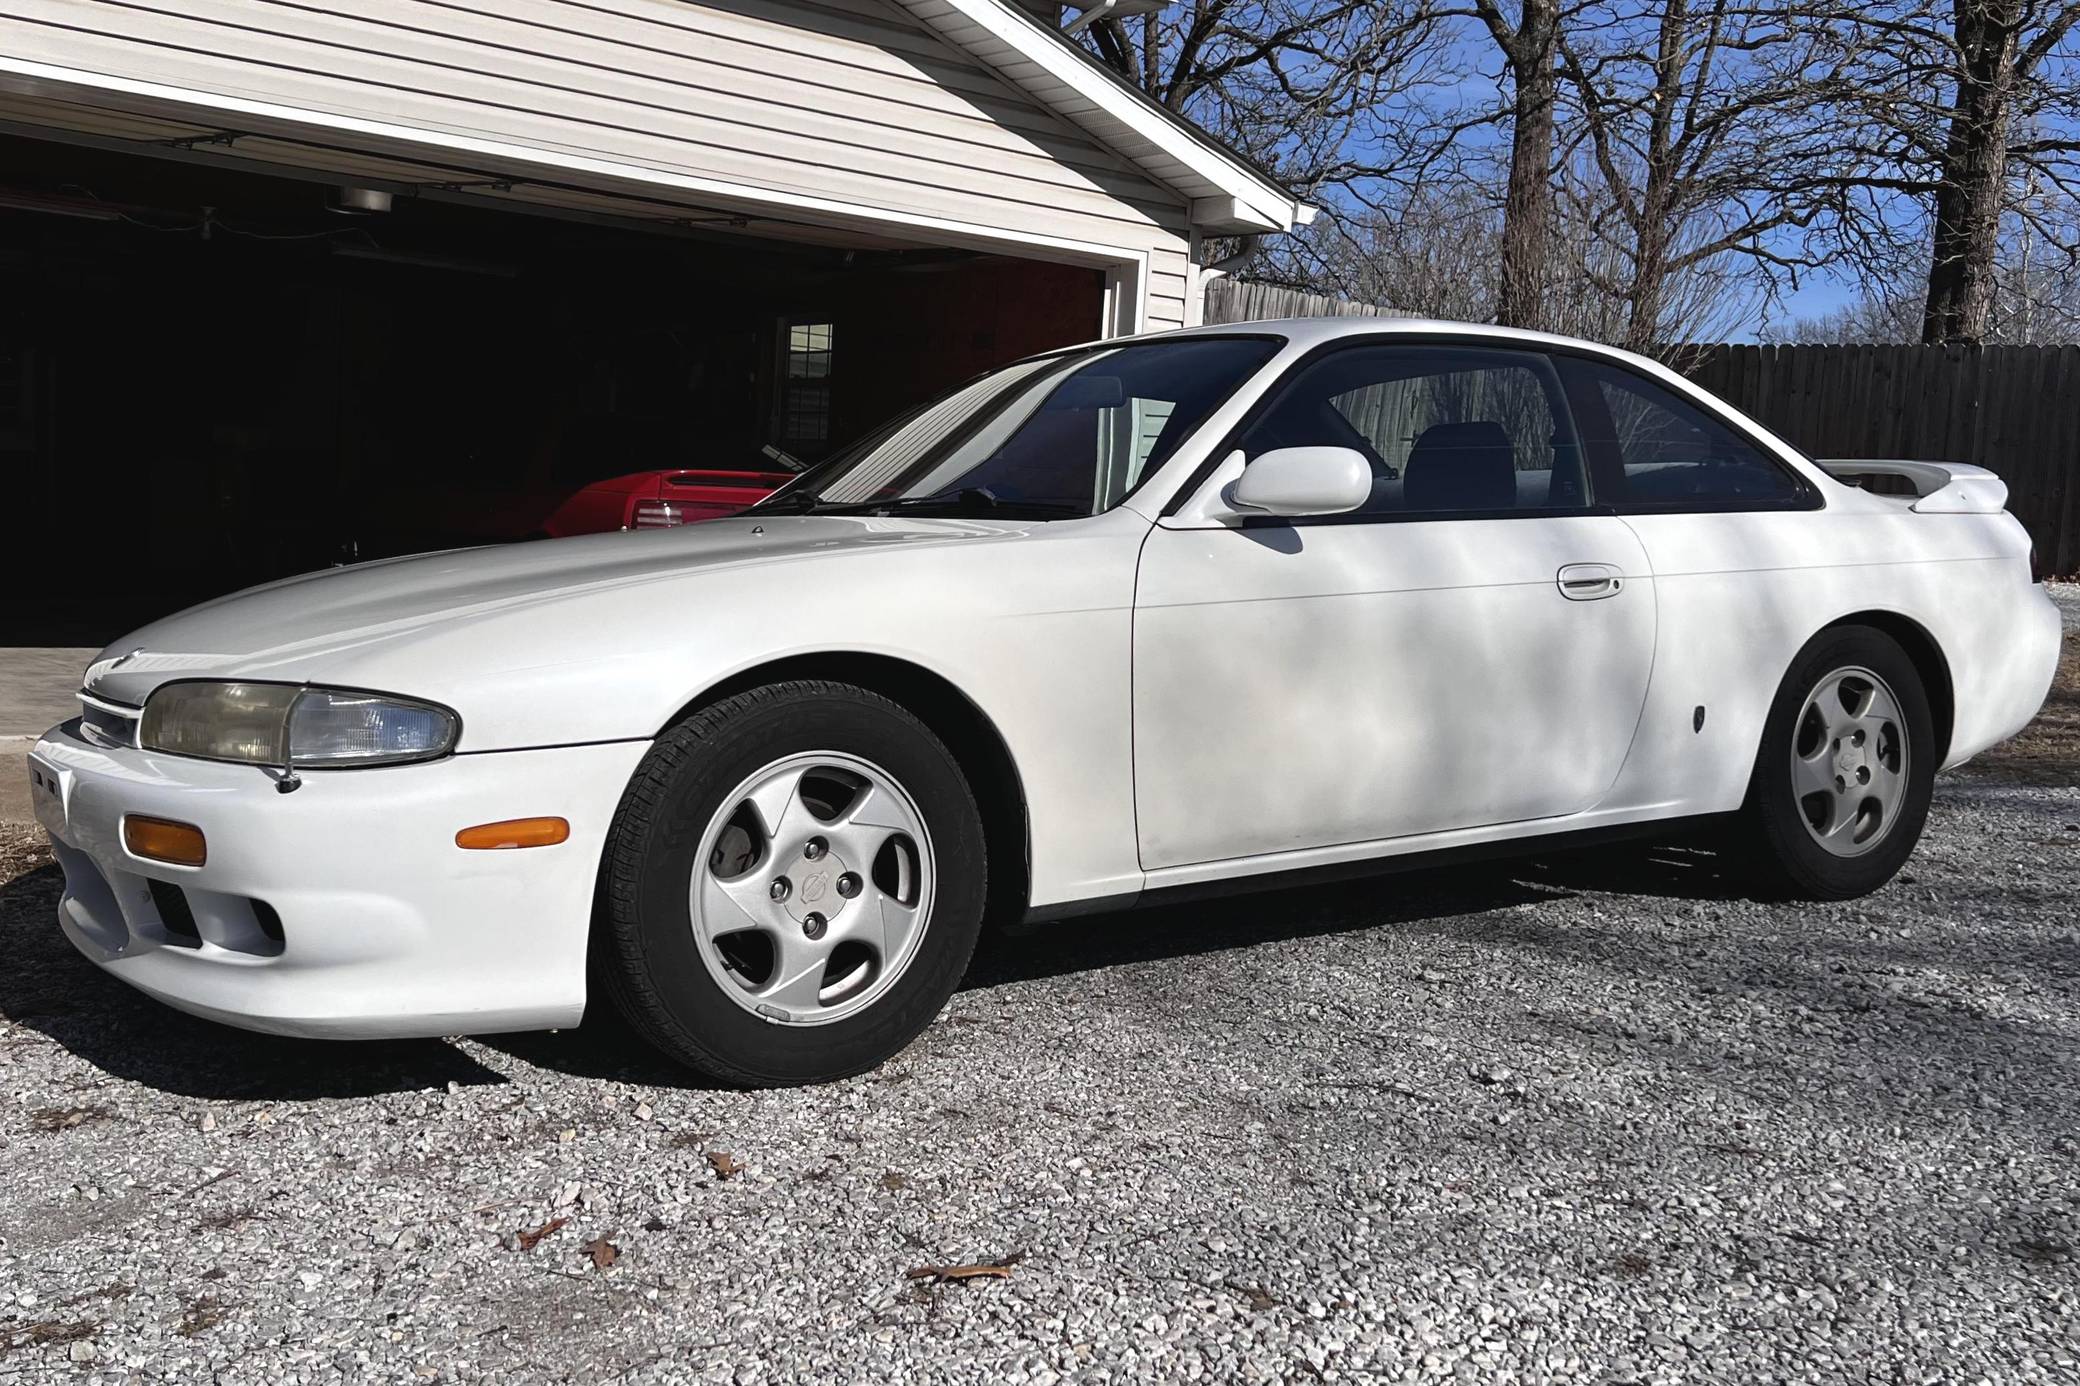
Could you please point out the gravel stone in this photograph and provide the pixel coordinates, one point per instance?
(1597, 1117)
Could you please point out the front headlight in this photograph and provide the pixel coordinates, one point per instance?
(284, 724)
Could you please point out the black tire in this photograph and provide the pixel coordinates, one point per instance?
(652, 967)
(1786, 854)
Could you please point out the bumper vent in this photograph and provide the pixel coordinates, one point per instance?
(236, 924)
(176, 915)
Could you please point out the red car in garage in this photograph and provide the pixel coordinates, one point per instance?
(660, 499)
(589, 476)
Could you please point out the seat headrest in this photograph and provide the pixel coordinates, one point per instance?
(1461, 466)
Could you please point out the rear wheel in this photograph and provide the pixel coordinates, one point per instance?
(1842, 783)
(794, 885)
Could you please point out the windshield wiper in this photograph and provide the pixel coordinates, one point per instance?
(794, 503)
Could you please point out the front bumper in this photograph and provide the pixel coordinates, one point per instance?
(344, 909)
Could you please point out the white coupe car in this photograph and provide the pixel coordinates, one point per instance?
(1222, 608)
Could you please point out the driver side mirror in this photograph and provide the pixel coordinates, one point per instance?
(1303, 481)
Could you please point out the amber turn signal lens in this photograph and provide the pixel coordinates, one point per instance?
(156, 839)
(514, 832)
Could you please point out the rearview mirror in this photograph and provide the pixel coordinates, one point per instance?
(1303, 481)
(1089, 392)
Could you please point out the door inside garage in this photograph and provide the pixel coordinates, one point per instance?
(211, 377)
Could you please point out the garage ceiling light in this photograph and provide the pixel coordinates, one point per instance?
(359, 202)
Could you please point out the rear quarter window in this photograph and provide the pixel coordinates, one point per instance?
(1655, 450)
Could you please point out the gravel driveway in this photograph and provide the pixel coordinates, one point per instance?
(1582, 1118)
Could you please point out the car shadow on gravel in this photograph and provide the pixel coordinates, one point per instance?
(1429, 896)
(1423, 898)
(47, 987)
(604, 1048)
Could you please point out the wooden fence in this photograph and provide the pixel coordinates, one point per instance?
(2012, 409)
(1245, 300)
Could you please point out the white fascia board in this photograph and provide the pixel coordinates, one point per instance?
(1230, 216)
(76, 85)
(1246, 201)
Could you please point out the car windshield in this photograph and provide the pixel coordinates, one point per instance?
(1055, 437)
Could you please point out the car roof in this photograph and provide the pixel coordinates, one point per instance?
(1307, 332)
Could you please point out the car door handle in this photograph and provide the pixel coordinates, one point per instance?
(1586, 582)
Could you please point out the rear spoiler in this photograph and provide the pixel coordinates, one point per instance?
(1939, 488)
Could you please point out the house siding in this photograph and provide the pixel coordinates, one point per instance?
(849, 100)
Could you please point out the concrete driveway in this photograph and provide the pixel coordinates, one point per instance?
(36, 692)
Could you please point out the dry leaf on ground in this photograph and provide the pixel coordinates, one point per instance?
(999, 1269)
(528, 1240)
(66, 1118)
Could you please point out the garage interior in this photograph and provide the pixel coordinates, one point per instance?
(213, 375)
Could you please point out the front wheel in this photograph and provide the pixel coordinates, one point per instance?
(1842, 783)
(794, 885)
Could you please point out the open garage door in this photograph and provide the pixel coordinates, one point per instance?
(212, 376)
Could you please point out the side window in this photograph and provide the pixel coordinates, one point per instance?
(1445, 429)
(1655, 450)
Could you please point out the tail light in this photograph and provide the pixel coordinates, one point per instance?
(656, 514)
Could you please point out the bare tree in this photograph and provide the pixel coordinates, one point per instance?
(1647, 151)
(1708, 136)
(1528, 38)
(1433, 252)
(2006, 65)
(1431, 146)
(1291, 83)
(1437, 253)
(1644, 169)
(2030, 303)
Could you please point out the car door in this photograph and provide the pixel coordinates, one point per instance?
(1734, 537)
(1469, 647)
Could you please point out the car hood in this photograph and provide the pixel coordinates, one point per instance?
(306, 628)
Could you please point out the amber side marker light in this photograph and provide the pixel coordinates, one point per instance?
(514, 832)
(158, 839)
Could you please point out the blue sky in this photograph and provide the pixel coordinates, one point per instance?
(1815, 295)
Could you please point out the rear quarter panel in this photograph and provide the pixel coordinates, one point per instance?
(1737, 596)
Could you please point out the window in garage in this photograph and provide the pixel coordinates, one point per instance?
(804, 427)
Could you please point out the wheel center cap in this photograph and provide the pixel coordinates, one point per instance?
(816, 886)
(1849, 760)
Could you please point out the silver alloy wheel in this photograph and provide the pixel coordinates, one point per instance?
(1849, 761)
(813, 888)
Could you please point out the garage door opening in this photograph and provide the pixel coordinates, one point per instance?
(210, 378)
